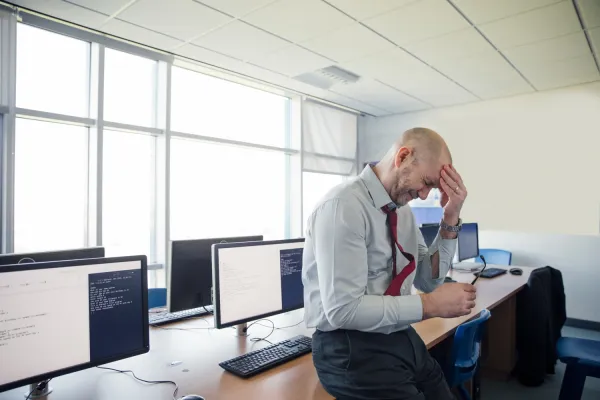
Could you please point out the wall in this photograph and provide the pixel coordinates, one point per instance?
(532, 165)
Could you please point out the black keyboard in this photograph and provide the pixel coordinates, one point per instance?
(167, 318)
(266, 358)
(491, 272)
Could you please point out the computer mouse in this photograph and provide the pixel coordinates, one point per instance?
(191, 397)
(516, 271)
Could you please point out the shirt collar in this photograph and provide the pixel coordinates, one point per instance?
(378, 194)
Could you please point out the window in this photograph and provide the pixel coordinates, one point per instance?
(314, 187)
(50, 186)
(52, 72)
(428, 211)
(219, 190)
(129, 89)
(128, 194)
(214, 107)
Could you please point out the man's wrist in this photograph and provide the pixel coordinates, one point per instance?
(426, 301)
(450, 221)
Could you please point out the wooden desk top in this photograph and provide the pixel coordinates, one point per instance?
(200, 349)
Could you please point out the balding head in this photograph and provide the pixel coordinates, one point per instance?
(412, 166)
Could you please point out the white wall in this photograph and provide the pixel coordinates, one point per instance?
(532, 167)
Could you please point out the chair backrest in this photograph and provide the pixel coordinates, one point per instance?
(496, 256)
(157, 297)
(466, 348)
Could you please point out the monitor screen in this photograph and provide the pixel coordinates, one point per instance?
(64, 316)
(59, 255)
(190, 272)
(254, 280)
(429, 233)
(468, 242)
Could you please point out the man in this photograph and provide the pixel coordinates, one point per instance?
(357, 285)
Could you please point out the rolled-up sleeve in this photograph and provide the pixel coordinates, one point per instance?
(338, 231)
(446, 248)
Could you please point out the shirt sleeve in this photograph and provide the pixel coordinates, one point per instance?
(446, 247)
(338, 233)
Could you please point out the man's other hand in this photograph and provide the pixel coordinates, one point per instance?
(449, 300)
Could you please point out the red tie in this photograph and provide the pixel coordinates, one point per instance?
(398, 279)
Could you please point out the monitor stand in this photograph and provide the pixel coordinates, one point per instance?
(241, 329)
(34, 393)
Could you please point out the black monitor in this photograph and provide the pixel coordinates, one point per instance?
(64, 316)
(429, 233)
(468, 241)
(255, 280)
(58, 255)
(190, 272)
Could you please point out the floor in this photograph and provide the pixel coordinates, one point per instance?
(513, 390)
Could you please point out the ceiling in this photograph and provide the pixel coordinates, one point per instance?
(410, 54)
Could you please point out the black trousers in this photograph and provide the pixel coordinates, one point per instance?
(354, 365)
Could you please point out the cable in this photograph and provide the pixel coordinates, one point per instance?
(263, 338)
(145, 381)
(281, 327)
(40, 386)
(208, 311)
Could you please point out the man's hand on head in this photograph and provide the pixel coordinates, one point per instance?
(454, 194)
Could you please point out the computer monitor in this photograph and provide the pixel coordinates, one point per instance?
(190, 271)
(255, 280)
(64, 316)
(429, 233)
(468, 242)
(59, 255)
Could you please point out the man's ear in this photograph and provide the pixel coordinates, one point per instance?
(401, 156)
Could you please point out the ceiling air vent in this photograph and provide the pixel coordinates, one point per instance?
(328, 77)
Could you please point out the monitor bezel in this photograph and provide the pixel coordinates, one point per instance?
(100, 249)
(91, 364)
(217, 302)
(476, 240)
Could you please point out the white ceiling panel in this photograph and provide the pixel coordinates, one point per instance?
(183, 19)
(210, 57)
(292, 61)
(487, 75)
(590, 12)
(237, 8)
(361, 9)
(482, 11)
(108, 7)
(595, 36)
(355, 104)
(544, 23)
(348, 43)
(460, 44)
(418, 21)
(562, 73)
(539, 53)
(63, 10)
(138, 34)
(380, 95)
(298, 20)
(240, 40)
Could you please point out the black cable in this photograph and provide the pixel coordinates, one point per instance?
(40, 386)
(282, 327)
(145, 381)
(208, 311)
(263, 338)
(480, 272)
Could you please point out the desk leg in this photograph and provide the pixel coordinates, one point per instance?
(501, 341)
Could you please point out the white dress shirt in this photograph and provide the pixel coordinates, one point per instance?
(347, 261)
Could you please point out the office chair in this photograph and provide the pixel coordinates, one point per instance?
(466, 350)
(157, 297)
(582, 357)
(495, 256)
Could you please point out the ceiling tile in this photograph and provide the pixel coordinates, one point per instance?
(66, 11)
(562, 73)
(561, 48)
(488, 75)
(183, 19)
(590, 12)
(460, 44)
(544, 23)
(418, 21)
(237, 8)
(482, 11)
(138, 34)
(298, 20)
(355, 104)
(380, 95)
(108, 7)
(209, 57)
(595, 36)
(348, 43)
(292, 61)
(361, 9)
(240, 40)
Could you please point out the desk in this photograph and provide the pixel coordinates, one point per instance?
(201, 350)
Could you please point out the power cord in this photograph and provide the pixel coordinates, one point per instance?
(145, 381)
(208, 311)
(40, 386)
(263, 338)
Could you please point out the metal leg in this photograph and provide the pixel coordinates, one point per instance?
(34, 393)
(572, 384)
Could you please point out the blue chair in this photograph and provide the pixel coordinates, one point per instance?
(496, 256)
(466, 349)
(582, 357)
(157, 297)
